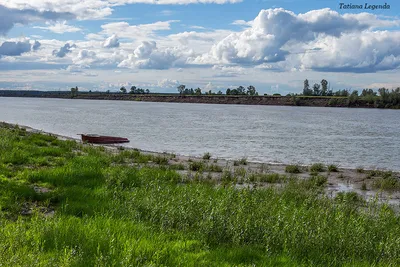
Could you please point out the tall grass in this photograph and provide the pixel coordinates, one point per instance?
(108, 214)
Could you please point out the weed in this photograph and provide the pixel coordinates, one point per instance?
(292, 169)
(161, 160)
(214, 168)
(333, 168)
(207, 156)
(317, 167)
(178, 166)
(196, 166)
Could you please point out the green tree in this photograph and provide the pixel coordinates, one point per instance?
(123, 90)
(324, 87)
(228, 91)
(197, 91)
(181, 89)
(251, 90)
(241, 90)
(306, 89)
(147, 91)
(133, 90)
(316, 90)
(74, 91)
(219, 92)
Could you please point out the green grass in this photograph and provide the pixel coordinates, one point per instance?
(292, 169)
(109, 213)
(242, 161)
(333, 168)
(317, 167)
(207, 156)
(196, 166)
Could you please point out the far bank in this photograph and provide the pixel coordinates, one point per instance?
(293, 100)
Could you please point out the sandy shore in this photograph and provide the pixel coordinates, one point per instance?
(345, 180)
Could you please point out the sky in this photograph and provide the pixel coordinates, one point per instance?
(212, 44)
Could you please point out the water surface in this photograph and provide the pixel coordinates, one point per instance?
(348, 137)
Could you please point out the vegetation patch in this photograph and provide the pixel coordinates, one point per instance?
(317, 167)
(292, 169)
(333, 168)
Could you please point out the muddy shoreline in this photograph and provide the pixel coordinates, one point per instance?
(344, 180)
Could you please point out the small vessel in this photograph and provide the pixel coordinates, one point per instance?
(103, 139)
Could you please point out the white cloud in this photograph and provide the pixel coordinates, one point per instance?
(365, 52)
(167, 83)
(269, 40)
(228, 71)
(148, 56)
(125, 30)
(85, 57)
(241, 22)
(59, 27)
(197, 27)
(111, 42)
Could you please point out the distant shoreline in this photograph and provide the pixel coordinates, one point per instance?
(310, 101)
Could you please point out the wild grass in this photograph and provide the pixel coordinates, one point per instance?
(214, 168)
(242, 161)
(207, 156)
(109, 214)
(271, 178)
(196, 166)
(317, 167)
(333, 168)
(292, 169)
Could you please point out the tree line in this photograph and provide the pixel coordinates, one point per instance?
(383, 97)
(134, 90)
(251, 90)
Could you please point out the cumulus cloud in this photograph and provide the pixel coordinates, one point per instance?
(111, 42)
(17, 48)
(11, 16)
(148, 56)
(168, 83)
(64, 50)
(85, 57)
(273, 31)
(366, 52)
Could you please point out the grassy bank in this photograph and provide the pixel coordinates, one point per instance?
(66, 204)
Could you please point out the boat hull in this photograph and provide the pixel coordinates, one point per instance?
(102, 139)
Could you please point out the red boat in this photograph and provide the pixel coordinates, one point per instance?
(102, 139)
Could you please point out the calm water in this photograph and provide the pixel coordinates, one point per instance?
(348, 137)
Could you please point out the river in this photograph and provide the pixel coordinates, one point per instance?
(368, 138)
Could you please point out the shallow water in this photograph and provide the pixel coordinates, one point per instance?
(366, 138)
